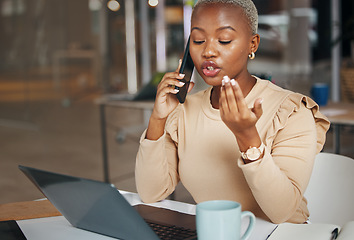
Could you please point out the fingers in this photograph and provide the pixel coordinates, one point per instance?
(233, 101)
(169, 81)
(227, 97)
(233, 96)
(165, 100)
(240, 99)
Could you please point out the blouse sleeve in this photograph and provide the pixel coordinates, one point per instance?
(278, 181)
(156, 169)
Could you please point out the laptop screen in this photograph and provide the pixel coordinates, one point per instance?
(91, 205)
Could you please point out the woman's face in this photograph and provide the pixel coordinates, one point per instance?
(221, 41)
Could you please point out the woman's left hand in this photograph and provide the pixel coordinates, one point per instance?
(234, 110)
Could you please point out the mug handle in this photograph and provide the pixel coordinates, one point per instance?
(251, 224)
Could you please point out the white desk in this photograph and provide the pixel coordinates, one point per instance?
(56, 228)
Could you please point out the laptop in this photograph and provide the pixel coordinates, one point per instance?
(99, 207)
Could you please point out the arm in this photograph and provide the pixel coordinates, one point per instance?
(165, 103)
(156, 162)
(238, 117)
(156, 172)
(278, 181)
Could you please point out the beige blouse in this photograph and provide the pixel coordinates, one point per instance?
(198, 149)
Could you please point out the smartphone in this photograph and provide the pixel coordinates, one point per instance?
(9, 230)
(187, 67)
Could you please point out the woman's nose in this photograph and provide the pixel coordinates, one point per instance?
(209, 50)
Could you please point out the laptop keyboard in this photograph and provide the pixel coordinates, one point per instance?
(166, 232)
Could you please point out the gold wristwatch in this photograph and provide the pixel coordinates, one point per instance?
(253, 153)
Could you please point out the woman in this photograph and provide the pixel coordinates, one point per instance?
(243, 139)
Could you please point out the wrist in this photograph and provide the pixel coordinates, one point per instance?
(253, 153)
(156, 119)
(156, 128)
(247, 138)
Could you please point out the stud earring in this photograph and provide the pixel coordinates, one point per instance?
(252, 55)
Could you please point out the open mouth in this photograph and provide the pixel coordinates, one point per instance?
(210, 68)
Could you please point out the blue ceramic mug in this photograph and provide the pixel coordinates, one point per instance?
(221, 219)
(319, 93)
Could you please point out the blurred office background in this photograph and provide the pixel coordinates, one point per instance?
(57, 57)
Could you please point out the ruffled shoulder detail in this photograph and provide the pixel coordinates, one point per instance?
(292, 103)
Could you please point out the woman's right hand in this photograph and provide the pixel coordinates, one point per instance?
(166, 101)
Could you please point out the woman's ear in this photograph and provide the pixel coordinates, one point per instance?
(254, 43)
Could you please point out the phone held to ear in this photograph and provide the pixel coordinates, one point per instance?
(187, 67)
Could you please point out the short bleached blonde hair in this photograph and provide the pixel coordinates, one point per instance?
(247, 6)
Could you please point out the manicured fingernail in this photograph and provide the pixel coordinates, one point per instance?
(223, 82)
(180, 84)
(261, 101)
(182, 75)
(226, 79)
(176, 90)
(233, 82)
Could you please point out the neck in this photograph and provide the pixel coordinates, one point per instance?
(214, 97)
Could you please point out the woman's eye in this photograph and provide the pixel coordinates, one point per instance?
(224, 42)
(198, 42)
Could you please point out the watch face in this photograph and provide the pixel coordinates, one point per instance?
(253, 153)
